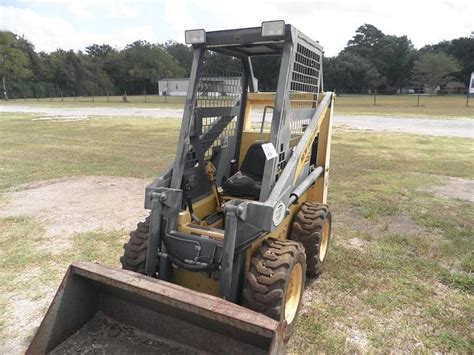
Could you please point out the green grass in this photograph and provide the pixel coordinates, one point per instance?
(405, 105)
(407, 287)
(33, 150)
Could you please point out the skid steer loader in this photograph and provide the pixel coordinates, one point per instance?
(236, 223)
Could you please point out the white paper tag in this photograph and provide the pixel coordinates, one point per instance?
(269, 151)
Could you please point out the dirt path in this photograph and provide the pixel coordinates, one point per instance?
(445, 127)
(431, 127)
(85, 112)
(78, 205)
(64, 207)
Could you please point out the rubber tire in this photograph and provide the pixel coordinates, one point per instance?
(307, 229)
(268, 278)
(134, 257)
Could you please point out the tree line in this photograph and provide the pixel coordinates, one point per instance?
(371, 60)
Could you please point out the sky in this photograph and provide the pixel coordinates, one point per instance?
(75, 24)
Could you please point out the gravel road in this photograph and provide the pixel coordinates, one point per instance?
(460, 127)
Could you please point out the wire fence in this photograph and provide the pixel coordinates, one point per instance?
(142, 99)
(349, 100)
(406, 100)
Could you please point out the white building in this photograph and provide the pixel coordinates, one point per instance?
(216, 85)
(173, 86)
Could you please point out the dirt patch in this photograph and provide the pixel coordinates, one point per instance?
(400, 224)
(65, 113)
(64, 207)
(22, 314)
(454, 187)
(103, 335)
(429, 127)
(356, 342)
(357, 244)
(396, 224)
(78, 205)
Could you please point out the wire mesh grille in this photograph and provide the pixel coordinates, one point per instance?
(219, 86)
(304, 88)
(220, 80)
(227, 128)
(305, 77)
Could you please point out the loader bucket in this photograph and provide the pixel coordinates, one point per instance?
(104, 310)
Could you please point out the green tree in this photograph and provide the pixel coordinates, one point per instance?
(350, 72)
(98, 57)
(392, 56)
(14, 63)
(365, 41)
(434, 69)
(143, 63)
(266, 70)
(462, 49)
(182, 53)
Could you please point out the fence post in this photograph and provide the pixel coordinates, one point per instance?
(418, 102)
(108, 99)
(62, 98)
(375, 98)
(145, 94)
(50, 96)
(467, 99)
(74, 93)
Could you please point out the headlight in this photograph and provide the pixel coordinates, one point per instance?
(195, 36)
(273, 28)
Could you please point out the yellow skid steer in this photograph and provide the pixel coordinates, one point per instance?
(236, 223)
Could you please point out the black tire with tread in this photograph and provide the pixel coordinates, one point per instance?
(268, 278)
(307, 229)
(134, 257)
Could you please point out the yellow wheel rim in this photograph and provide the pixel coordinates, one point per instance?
(293, 293)
(323, 247)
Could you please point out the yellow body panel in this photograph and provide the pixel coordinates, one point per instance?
(319, 191)
(196, 281)
(256, 99)
(306, 156)
(206, 206)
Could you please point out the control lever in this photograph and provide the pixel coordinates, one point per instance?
(216, 190)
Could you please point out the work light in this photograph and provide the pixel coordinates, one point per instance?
(195, 36)
(273, 28)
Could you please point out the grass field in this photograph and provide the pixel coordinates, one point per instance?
(433, 106)
(400, 271)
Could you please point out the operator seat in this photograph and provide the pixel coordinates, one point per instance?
(247, 182)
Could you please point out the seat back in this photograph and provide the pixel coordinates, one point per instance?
(254, 161)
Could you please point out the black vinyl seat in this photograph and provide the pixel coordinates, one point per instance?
(247, 182)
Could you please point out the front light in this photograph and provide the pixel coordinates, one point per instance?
(195, 36)
(273, 28)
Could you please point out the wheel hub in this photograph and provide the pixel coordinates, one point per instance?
(293, 293)
(323, 246)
